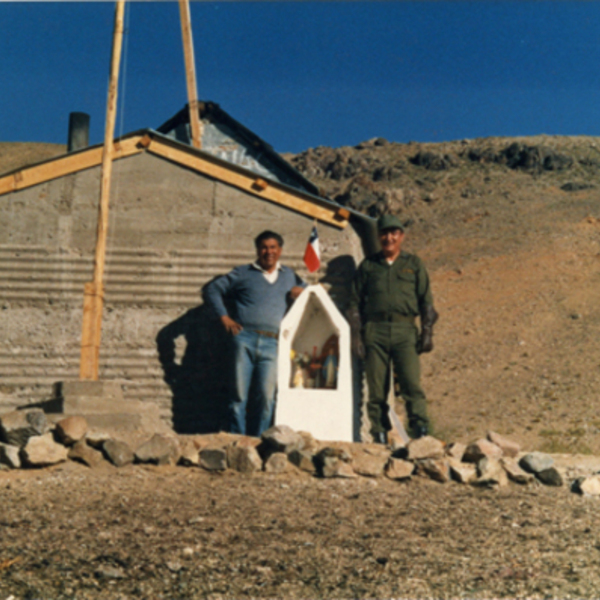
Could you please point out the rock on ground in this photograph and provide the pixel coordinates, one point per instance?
(303, 459)
(397, 468)
(370, 462)
(18, 426)
(437, 469)
(118, 453)
(243, 458)
(490, 472)
(508, 447)
(425, 447)
(281, 438)
(462, 472)
(550, 476)
(42, 451)
(190, 455)
(213, 459)
(587, 486)
(481, 449)
(9, 456)
(456, 450)
(82, 452)
(71, 429)
(514, 471)
(278, 463)
(535, 462)
(159, 450)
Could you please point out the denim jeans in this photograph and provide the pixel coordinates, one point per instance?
(255, 383)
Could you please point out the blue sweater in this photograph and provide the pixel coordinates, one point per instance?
(256, 303)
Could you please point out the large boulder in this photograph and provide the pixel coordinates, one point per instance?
(42, 451)
(18, 426)
(71, 429)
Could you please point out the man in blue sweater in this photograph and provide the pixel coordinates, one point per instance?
(259, 294)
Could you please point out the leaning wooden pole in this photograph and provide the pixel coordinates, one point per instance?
(190, 72)
(93, 299)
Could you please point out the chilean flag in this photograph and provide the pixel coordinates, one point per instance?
(312, 254)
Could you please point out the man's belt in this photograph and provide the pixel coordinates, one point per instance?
(384, 317)
(268, 334)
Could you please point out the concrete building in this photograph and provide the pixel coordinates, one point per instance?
(179, 217)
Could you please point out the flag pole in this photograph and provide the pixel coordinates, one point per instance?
(93, 295)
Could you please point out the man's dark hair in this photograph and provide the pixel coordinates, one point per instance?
(268, 235)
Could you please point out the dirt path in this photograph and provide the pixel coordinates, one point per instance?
(163, 532)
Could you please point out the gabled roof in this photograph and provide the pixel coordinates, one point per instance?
(185, 155)
(226, 138)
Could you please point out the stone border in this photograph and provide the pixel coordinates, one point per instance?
(29, 441)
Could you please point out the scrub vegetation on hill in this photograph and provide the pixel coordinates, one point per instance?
(510, 230)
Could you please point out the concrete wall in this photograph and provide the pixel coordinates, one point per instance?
(171, 230)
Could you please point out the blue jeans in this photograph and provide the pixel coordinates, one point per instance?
(255, 383)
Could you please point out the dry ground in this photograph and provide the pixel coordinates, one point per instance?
(164, 532)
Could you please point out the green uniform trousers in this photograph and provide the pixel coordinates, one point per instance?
(394, 343)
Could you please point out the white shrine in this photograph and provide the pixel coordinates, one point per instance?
(315, 392)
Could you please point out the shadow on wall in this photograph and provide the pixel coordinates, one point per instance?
(199, 379)
(195, 354)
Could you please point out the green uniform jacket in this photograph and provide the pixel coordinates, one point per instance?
(380, 290)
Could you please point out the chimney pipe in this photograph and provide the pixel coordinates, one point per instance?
(79, 131)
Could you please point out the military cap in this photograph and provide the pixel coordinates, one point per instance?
(389, 222)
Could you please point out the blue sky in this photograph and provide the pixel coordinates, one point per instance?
(305, 74)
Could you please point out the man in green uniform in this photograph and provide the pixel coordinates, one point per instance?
(390, 289)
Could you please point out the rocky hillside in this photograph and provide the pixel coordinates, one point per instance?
(509, 228)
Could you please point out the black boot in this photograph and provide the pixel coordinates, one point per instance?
(380, 437)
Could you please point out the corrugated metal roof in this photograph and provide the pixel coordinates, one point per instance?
(226, 138)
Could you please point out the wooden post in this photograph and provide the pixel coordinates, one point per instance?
(94, 291)
(190, 72)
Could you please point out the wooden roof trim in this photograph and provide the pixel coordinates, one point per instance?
(251, 183)
(65, 165)
(205, 164)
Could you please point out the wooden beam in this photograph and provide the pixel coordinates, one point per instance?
(65, 165)
(92, 326)
(190, 72)
(248, 182)
(93, 300)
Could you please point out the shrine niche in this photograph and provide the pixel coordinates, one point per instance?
(315, 374)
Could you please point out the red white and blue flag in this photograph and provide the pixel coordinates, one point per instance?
(312, 254)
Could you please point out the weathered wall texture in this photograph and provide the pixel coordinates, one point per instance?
(171, 230)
